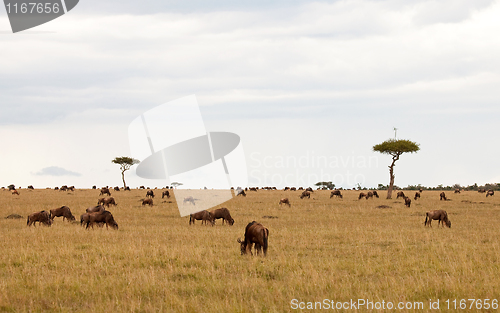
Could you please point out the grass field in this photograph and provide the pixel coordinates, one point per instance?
(319, 248)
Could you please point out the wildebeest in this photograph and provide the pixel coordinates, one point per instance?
(252, 189)
(254, 233)
(72, 188)
(147, 201)
(284, 201)
(63, 211)
(106, 201)
(204, 216)
(457, 190)
(93, 209)
(63, 188)
(442, 196)
(370, 194)
(309, 189)
(224, 214)
(165, 193)
(116, 188)
(42, 217)
(417, 195)
(490, 193)
(407, 201)
(336, 193)
(242, 193)
(361, 195)
(293, 189)
(189, 199)
(420, 190)
(94, 187)
(439, 215)
(400, 194)
(127, 188)
(305, 194)
(102, 217)
(105, 190)
(150, 193)
(481, 190)
(31, 187)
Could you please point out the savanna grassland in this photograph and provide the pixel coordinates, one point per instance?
(319, 248)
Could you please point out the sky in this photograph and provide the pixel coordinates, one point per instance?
(309, 86)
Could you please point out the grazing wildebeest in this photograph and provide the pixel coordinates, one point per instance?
(242, 193)
(284, 201)
(407, 201)
(252, 189)
(336, 193)
(102, 217)
(31, 187)
(204, 216)
(116, 188)
(457, 190)
(370, 194)
(293, 189)
(420, 190)
(439, 215)
(147, 201)
(105, 190)
(254, 233)
(481, 190)
(305, 194)
(400, 194)
(141, 187)
(224, 214)
(94, 209)
(127, 188)
(490, 193)
(417, 195)
(309, 189)
(106, 201)
(42, 217)
(189, 199)
(63, 211)
(72, 188)
(15, 192)
(63, 188)
(442, 196)
(361, 195)
(165, 193)
(286, 188)
(150, 193)
(12, 187)
(94, 187)
(56, 188)
(375, 193)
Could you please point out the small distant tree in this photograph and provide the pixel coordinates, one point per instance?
(176, 184)
(395, 148)
(125, 164)
(325, 184)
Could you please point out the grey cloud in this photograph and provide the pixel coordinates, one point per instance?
(56, 171)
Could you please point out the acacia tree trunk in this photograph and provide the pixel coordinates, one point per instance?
(391, 173)
(123, 178)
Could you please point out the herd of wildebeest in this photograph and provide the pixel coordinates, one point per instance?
(255, 233)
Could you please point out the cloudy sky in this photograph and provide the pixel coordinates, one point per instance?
(309, 87)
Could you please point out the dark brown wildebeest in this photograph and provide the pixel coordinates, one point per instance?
(420, 190)
(105, 191)
(407, 201)
(490, 193)
(442, 196)
(336, 193)
(31, 187)
(127, 188)
(116, 188)
(309, 189)
(204, 216)
(301, 188)
(370, 194)
(56, 188)
(284, 201)
(254, 233)
(242, 193)
(305, 194)
(42, 217)
(400, 194)
(439, 215)
(72, 188)
(150, 193)
(286, 188)
(361, 195)
(417, 195)
(293, 189)
(63, 188)
(252, 189)
(106, 201)
(375, 193)
(147, 201)
(481, 190)
(94, 209)
(189, 199)
(165, 193)
(457, 190)
(15, 192)
(141, 187)
(63, 211)
(94, 187)
(102, 217)
(224, 214)
(12, 187)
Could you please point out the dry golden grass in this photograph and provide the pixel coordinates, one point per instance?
(319, 248)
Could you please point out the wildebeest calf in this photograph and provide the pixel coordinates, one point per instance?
(63, 211)
(254, 233)
(204, 216)
(439, 215)
(42, 217)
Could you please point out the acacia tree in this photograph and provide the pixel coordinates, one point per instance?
(395, 147)
(125, 164)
